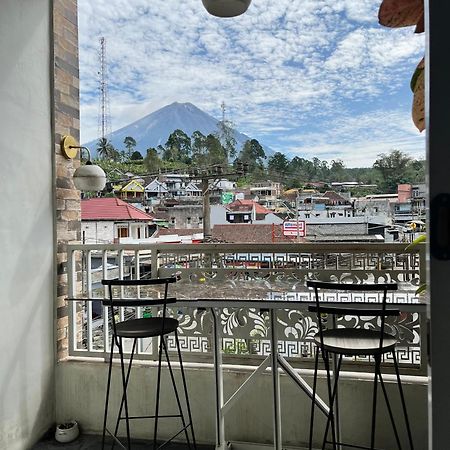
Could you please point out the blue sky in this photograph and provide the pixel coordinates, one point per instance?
(305, 77)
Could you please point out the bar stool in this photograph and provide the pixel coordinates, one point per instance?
(353, 342)
(146, 327)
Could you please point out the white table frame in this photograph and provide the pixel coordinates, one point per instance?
(275, 361)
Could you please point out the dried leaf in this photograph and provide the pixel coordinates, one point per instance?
(418, 107)
(400, 13)
(420, 67)
(420, 26)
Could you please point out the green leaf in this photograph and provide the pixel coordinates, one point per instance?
(422, 288)
(416, 242)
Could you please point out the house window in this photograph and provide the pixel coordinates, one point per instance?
(122, 231)
(188, 220)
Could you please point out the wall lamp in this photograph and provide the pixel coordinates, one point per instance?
(89, 177)
(226, 8)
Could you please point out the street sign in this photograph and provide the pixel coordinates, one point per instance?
(227, 198)
(294, 228)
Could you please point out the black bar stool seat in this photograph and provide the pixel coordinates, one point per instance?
(159, 326)
(146, 327)
(340, 342)
(355, 341)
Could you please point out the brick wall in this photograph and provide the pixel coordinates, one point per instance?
(66, 121)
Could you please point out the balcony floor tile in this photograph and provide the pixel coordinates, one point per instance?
(92, 442)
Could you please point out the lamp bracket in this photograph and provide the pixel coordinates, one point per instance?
(69, 146)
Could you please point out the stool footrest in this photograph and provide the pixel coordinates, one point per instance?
(173, 437)
(117, 440)
(343, 444)
(167, 416)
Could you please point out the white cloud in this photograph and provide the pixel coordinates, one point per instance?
(282, 66)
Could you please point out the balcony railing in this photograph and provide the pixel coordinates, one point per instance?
(250, 271)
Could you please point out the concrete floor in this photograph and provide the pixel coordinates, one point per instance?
(91, 442)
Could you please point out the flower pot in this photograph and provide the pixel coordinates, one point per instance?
(67, 432)
(226, 8)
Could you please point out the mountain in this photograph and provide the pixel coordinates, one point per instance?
(154, 129)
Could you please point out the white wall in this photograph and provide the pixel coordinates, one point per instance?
(26, 224)
(81, 390)
(101, 232)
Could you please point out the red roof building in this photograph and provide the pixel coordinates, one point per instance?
(111, 209)
(248, 205)
(245, 211)
(106, 220)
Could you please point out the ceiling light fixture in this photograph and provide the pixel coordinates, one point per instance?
(89, 177)
(226, 8)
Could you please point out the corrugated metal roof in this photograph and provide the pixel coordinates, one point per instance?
(111, 209)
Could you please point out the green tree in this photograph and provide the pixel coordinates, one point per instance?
(106, 150)
(136, 156)
(152, 162)
(178, 147)
(278, 165)
(130, 145)
(253, 155)
(337, 170)
(392, 168)
(199, 148)
(216, 153)
(301, 170)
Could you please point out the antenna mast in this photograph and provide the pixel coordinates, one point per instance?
(104, 123)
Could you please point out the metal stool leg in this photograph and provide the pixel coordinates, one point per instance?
(313, 402)
(108, 386)
(124, 387)
(116, 429)
(391, 415)
(183, 377)
(402, 397)
(330, 418)
(158, 386)
(177, 397)
(374, 400)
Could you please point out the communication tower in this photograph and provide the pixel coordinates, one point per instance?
(104, 122)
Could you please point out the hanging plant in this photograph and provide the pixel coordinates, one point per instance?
(418, 89)
(402, 13)
(406, 13)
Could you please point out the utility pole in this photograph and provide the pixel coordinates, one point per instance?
(297, 205)
(205, 174)
(215, 172)
(206, 209)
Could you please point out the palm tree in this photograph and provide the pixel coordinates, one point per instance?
(106, 150)
(103, 148)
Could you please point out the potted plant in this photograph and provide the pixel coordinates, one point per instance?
(67, 431)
